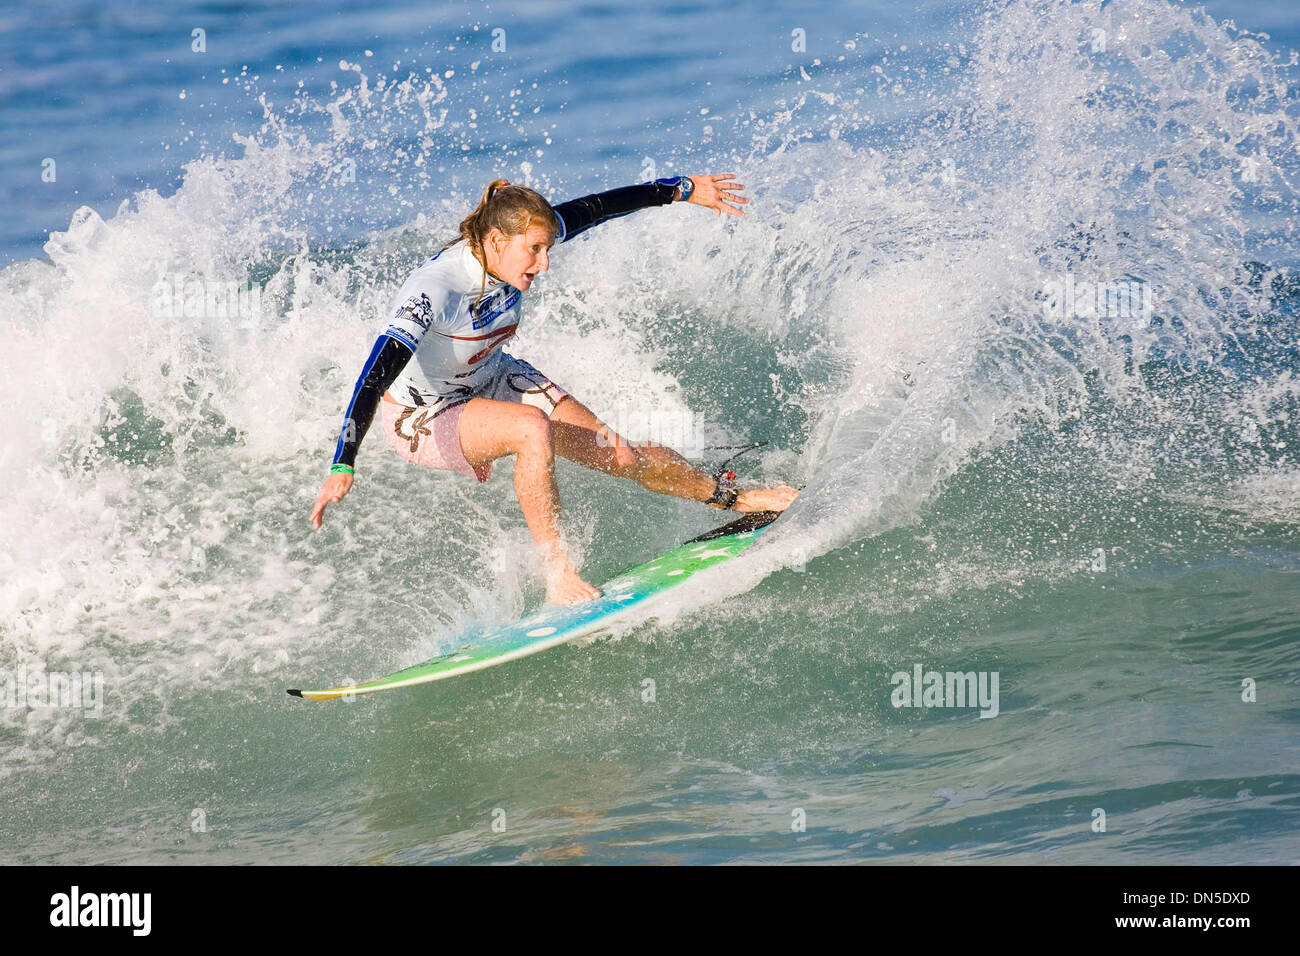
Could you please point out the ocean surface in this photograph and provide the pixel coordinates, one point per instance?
(1015, 302)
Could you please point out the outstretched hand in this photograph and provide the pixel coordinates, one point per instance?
(334, 489)
(718, 192)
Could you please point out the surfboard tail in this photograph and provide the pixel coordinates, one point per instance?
(332, 694)
(746, 522)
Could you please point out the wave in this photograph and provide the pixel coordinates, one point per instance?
(1081, 220)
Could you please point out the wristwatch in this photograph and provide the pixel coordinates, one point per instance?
(686, 186)
(725, 494)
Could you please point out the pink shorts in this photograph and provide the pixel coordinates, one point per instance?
(430, 436)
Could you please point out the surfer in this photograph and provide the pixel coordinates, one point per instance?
(451, 398)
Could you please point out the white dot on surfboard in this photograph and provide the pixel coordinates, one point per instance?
(541, 631)
(624, 597)
(678, 571)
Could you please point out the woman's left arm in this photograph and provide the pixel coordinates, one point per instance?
(716, 192)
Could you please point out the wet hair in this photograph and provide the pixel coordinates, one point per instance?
(512, 209)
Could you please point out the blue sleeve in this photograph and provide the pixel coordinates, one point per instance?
(385, 363)
(579, 215)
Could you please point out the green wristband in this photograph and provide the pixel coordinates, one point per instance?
(338, 468)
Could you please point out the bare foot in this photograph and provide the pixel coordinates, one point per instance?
(765, 499)
(563, 586)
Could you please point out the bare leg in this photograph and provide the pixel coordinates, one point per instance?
(489, 430)
(580, 436)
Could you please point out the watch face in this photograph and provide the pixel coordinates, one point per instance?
(686, 186)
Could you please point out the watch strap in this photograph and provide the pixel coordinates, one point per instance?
(725, 494)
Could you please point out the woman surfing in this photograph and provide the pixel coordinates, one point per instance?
(451, 398)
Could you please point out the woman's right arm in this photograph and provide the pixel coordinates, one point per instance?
(386, 361)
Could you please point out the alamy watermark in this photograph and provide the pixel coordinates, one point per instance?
(1124, 298)
(189, 296)
(82, 690)
(75, 908)
(682, 431)
(922, 688)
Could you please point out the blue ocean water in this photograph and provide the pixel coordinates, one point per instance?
(1014, 301)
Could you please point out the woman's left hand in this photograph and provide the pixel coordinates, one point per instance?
(718, 193)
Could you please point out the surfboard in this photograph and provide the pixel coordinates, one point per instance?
(556, 624)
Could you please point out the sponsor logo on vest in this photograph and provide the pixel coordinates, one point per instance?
(417, 309)
(493, 306)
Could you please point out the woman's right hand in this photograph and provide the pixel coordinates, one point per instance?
(335, 487)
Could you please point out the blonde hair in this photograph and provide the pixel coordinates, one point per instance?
(512, 209)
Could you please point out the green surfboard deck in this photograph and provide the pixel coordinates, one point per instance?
(556, 624)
